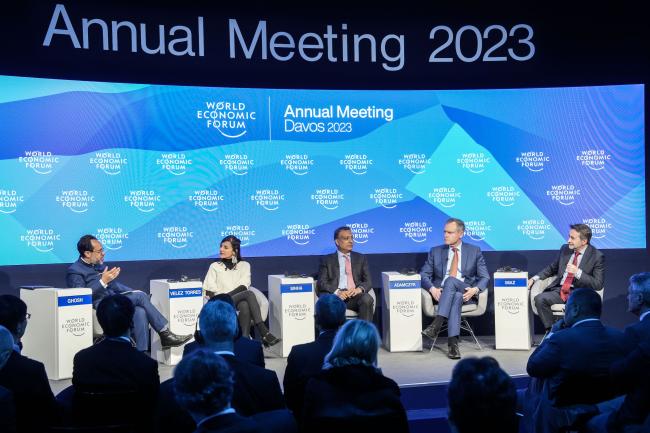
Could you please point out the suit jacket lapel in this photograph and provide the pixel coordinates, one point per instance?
(445, 257)
(335, 268)
(586, 257)
(463, 260)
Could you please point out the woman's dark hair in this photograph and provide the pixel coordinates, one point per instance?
(236, 245)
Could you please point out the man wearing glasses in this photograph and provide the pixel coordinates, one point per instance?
(89, 271)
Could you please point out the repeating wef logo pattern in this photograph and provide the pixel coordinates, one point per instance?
(78, 201)
(299, 234)
(535, 229)
(231, 119)
(110, 163)
(386, 197)
(416, 163)
(42, 240)
(504, 195)
(10, 200)
(444, 196)
(533, 161)
(176, 236)
(39, 162)
(594, 159)
(357, 163)
(175, 163)
(599, 227)
(237, 163)
(417, 231)
(474, 162)
(477, 229)
(564, 194)
(328, 198)
(112, 238)
(268, 199)
(297, 163)
(206, 199)
(361, 232)
(143, 200)
(245, 233)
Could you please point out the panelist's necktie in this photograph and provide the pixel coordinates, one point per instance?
(348, 272)
(453, 269)
(566, 286)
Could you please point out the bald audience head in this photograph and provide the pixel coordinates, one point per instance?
(582, 304)
(6, 345)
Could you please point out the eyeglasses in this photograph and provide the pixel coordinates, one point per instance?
(28, 316)
(100, 251)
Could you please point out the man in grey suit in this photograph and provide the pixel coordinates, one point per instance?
(346, 275)
(579, 265)
(454, 273)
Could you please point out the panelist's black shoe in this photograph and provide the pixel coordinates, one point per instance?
(169, 339)
(270, 340)
(432, 330)
(454, 351)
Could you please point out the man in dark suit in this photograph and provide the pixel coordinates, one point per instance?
(579, 264)
(24, 377)
(245, 349)
(454, 273)
(346, 275)
(256, 389)
(638, 303)
(89, 271)
(574, 359)
(306, 360)
(7, 407)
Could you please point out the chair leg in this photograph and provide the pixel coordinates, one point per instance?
(433, 344)
(464, 324)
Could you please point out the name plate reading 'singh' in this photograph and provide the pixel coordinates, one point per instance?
(510, 282)
(185, 293)
(296, 288)
(415, 284)
(68, 301)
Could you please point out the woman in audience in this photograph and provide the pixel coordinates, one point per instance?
(351, 393)
(231, 275)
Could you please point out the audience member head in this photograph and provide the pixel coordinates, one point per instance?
(115, 315)
(203, 384)
(6, 345)
(582, 304)
(638, 294)
(330, 312)
(481, 397)
(13, 315)
(356, 343)
(218, 323)
(230, 248)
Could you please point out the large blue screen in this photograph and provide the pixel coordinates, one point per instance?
(164, 172)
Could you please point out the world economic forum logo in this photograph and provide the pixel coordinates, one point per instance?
(534, 228)
(445, 196)
(297, 163)
(533, 161)
(174, 163)
(237, 163)
(175, 236)
(38, 161)
(78, 201)
(268, 199)
(594, 159)
(112, 238)
(417, 231)
(565, 194)
(599, 227)
(42, 240)
(503, 195)
(143, 200)
(206, 199)
(386, 197)
(243, 232)
(361, 231)
(477, 230)
(230, 118)
(299, 234)
(10, 200)
(328, 198)
(416, 163)
(110, 163)
(474, 162)
(357, 163)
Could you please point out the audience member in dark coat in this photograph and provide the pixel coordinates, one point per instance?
(256, 389)
(204, 388)
(306, 360)
(579, 351)
(638, 303)
(481, 397)
(7, 407)
(245, 349)
(351, 394)
(24, 377)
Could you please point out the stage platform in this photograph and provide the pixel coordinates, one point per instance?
(408, 369)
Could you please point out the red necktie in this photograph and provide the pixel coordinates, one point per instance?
(348, 272)
(453, 269)
(566, 286)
